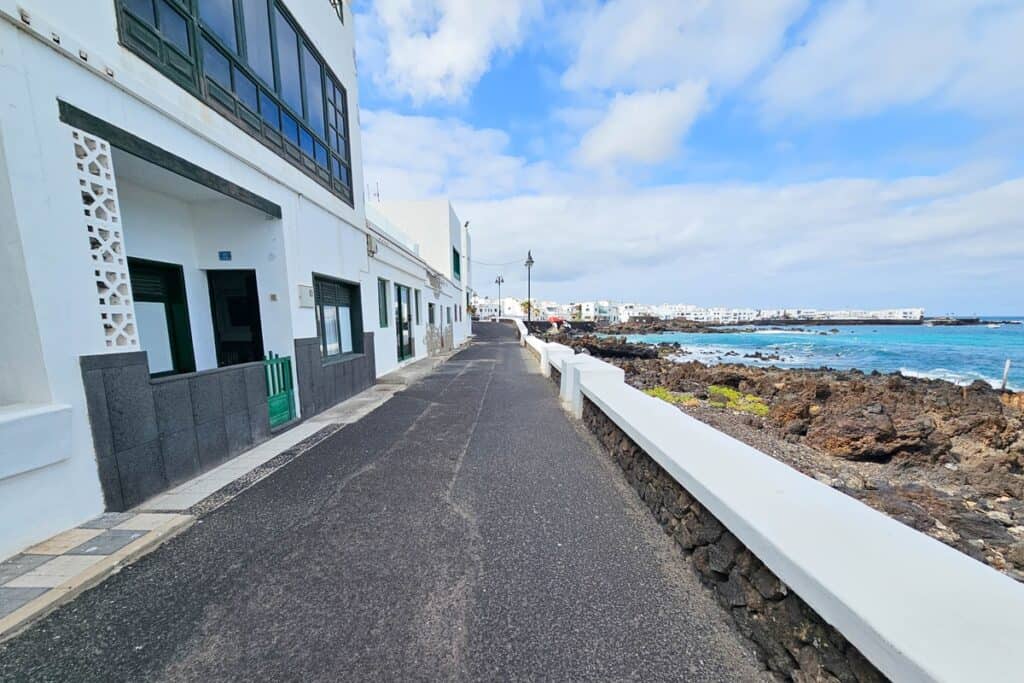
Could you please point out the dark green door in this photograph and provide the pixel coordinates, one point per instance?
(161, 316)
(403, 322)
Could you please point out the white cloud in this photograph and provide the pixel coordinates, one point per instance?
(860, 57)
(438, 49)
(928, 240)
(422, 156)
(650, 44)
(916, 241)
(643, 127)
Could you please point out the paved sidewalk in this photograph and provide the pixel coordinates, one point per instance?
(48, 574)
(463, 530)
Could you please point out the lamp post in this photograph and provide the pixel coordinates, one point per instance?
(529, 296)
(498, 280)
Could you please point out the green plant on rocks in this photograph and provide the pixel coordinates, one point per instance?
(736, 400)
(676, 398)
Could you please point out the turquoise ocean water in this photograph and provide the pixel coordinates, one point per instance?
(957, 354)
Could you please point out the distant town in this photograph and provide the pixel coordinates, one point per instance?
(611, 312)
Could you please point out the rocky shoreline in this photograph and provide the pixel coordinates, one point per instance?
(944, 459)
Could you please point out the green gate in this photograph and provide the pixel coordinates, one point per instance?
(280, 391)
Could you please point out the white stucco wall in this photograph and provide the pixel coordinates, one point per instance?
(43, 226)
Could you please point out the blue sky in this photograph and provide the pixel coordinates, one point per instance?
(763, 153)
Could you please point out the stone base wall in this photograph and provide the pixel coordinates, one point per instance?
(323, 384)
(152, 434)
(792, 640)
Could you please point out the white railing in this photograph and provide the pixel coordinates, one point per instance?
(916, 608)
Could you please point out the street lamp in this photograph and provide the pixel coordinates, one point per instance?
(529, 296)
(498, 280)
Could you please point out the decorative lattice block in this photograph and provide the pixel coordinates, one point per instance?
(106, 240)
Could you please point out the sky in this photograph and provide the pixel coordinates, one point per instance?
(761, 153)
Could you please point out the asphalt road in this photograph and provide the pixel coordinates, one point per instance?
(464, 530)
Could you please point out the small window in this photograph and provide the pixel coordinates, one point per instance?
(173, 26)
(382, 302)
(449, 315)
(337, 314)
(216, 65)
(456, 264)
(246, 90)
(269, 110)
(418, 306)
(431, 314)
(143, 9)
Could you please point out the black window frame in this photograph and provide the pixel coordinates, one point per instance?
(456, 264)
(339, 8)
(322, 297)
(382, 303)
(328, 159)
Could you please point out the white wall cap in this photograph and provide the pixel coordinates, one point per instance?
(581, 371)
(918, 609)
(568, 384)
(557, 354)
(33, 435)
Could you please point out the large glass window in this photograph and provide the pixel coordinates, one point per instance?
(337, 313)
(258, 48)
(288, 62)
(219, 17)
(314, 79)
(252, 62)
(456, 264)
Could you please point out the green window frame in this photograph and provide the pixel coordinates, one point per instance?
(204, 47)
(163, 284)
(339, 322)
(382, 302)
(456, 264)
(419, 305)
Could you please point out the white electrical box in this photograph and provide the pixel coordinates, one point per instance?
(306, 296)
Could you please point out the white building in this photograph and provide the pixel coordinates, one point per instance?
(594, 311)
(176, 203)
(421, 309)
